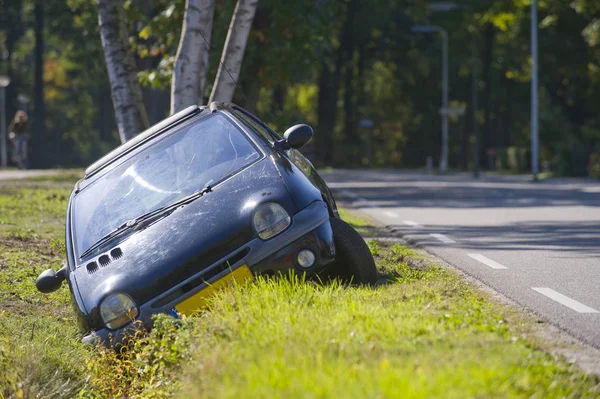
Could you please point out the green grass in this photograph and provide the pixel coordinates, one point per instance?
(363, 225)
(421, 332)
(39, 350)
(61, 176)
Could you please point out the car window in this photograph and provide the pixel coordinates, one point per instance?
(174, 167)
(265, 132)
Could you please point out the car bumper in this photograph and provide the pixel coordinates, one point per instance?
(310, 229)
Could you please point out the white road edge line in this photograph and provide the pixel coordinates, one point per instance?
(487, 261)
(443, 238)
(390, 214)
(361, 202)
(350, 194)
(564, 300)
(411, 223)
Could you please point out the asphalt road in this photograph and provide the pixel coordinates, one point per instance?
(536, 243)
(13, 174)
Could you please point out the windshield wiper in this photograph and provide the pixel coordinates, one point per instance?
(145, 219)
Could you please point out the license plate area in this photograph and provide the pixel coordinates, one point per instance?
(198, 300)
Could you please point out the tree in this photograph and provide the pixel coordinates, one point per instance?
(191, 63)
(125, 88)
(39, 78)
(233, 52)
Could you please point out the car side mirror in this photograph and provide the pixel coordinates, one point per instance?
(298, 136)
(51, 280)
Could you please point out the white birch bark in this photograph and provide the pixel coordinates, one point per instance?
(233, 52)
(189, 75)
(125, 88)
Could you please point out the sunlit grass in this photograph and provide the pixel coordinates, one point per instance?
(421, 332)
(425, 333)
(360, 223)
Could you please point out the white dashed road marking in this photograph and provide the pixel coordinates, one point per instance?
(564, 300)
(487, 261)
(363, 203)
(390, 214)
(411, 223)
(349, 194)
(443, 238)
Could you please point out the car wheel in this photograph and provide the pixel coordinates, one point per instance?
(353, 260)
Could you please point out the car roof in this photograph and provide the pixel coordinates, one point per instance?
(154, 131)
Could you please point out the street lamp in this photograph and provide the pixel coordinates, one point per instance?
(444, 110)
(445, 6)
(23, 99)
(4, 81)
(534, 91)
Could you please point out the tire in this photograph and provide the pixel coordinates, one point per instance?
(353, 260)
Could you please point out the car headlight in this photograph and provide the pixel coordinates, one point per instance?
(118, 310)
(270, 219)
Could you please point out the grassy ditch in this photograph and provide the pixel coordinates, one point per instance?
(421, 332)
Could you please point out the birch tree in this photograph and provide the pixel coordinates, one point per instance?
(189, 75)
(125, 88)
(233, 52)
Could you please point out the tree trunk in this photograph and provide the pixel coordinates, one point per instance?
(251, 81)
(11, 21)
(41, 152)
(348, 65)
(326, 113)
(488, 140)
(124, 85)
(189, 75)
(329, 91)
(233, 52)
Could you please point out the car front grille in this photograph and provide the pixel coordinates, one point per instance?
(201, 278)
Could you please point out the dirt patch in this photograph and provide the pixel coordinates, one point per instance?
(31, 243)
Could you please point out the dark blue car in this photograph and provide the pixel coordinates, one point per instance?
(209, 195)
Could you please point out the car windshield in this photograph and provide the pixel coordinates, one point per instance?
(173, 168)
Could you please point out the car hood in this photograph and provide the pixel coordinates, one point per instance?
(194, 236)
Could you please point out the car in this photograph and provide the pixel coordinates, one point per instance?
(207, 196)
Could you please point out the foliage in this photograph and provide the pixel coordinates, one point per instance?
(147, 366)
(333, 63)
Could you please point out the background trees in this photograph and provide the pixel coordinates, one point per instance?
(125, 88)
(191, 62)
(331, 63)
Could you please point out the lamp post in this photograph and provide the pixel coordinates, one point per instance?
(444, 110)
(4, 81)
(534, 91)
(445, 6)
(23, 99)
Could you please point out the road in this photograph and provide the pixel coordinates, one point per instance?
(13, 174)
(536, 243)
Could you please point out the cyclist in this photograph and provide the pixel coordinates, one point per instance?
(18, 136)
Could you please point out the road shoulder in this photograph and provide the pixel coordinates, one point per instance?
(540, 332)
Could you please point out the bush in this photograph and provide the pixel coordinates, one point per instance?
(594, 165)
(513, 159)
(146, 366)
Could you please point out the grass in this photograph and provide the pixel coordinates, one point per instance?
(421, 332)
(61, 176)
(39, 348)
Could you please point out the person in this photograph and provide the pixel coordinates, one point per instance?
(18, 137)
